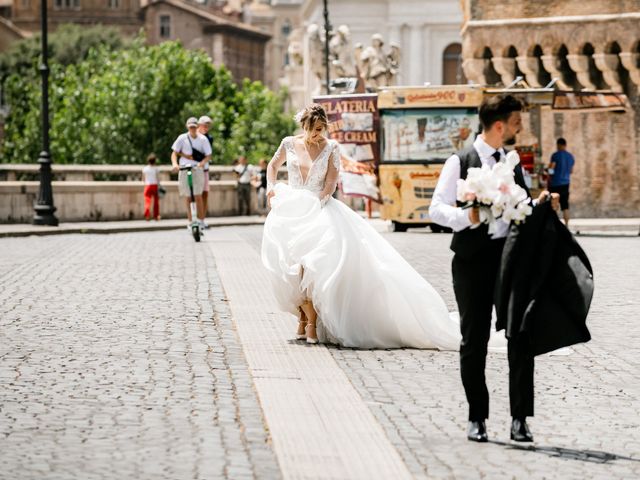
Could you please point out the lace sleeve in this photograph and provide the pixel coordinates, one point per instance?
(333, 171)
(274, 165)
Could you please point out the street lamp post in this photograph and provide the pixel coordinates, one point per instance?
(327, 29)
(44, 209)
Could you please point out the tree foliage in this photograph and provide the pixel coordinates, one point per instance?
(115, 104)
(69, 44)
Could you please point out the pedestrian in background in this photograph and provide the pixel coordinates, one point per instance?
(560, 170)
(261, 183)
(150, 179)
(204, 124)
(245, 174)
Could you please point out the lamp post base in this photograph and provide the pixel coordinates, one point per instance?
(44, 216)
(44, 209)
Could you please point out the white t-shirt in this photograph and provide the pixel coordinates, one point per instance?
(182, 145)
(245, 174)
(150, 175)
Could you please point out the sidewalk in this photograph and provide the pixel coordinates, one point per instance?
(624, 227)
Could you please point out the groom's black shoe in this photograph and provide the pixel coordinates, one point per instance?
(477, 431)
(520, 431)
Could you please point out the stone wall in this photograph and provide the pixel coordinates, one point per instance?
(107, 192)
(492, 9)
(95, 201)
(606, 178)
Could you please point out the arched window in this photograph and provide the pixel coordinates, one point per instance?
(452, 73)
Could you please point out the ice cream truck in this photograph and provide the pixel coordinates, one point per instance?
(420, 127)
(395, 143)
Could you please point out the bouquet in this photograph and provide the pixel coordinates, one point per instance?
(495, 192)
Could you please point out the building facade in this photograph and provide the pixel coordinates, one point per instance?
(123, 14)
(277, 18)
(578, 45)
(427, 31)
(238, 46)
(211, 25)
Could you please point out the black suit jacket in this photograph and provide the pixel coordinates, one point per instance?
(545, 284)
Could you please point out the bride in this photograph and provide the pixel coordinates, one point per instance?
(345, 283)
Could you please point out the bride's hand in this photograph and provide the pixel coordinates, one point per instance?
(270, 195)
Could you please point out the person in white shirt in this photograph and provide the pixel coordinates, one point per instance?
(246, 173)
(150, 178)
(204, 124)
(475, 268)
(191, 149)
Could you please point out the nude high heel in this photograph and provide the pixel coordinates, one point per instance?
(311, 322)
(301, 334)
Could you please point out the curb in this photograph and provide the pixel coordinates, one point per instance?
(115, 229)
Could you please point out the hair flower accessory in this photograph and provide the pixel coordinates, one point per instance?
(298, 116)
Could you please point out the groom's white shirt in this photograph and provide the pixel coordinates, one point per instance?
(443, 209)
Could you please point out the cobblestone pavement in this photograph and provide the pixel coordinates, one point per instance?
(587, 403)
(118, 360)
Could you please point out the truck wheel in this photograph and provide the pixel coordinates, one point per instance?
(435, 228)
(398, 227)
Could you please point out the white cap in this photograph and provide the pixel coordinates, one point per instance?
(204, 119)
(192, 122)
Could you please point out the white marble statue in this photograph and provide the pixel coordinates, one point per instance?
(375, 63)
(341, 53)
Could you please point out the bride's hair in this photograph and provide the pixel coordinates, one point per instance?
(308, 116)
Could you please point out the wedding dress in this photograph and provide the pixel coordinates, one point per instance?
(366, 295)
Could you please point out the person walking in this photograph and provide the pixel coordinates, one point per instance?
(150, 179)
(261, 183)
(560, 170)
(475, 268)
(204, 124)
(245, 174)
(191, 150)
(323, 258)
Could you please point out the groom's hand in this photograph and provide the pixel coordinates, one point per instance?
(554, 197)
(474, 215)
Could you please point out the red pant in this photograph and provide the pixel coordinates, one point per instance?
(151, 192)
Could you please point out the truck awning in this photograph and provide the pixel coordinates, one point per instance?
(602, 100)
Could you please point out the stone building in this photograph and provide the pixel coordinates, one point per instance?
(9, 33)
(123, 14)
(239, 46)
(428, 33)
(278, 18)
(583, 45)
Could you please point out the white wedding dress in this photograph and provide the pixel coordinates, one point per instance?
(365, 293)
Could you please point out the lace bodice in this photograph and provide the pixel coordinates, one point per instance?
(322, 177)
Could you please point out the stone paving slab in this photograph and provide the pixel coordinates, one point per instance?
(119, 360)
(320, 426)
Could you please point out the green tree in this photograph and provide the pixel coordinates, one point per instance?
(116, 106)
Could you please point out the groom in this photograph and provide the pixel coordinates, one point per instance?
(475, 267)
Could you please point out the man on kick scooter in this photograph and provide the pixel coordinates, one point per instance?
(193, 150)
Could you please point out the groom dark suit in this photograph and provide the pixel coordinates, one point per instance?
(475, 269)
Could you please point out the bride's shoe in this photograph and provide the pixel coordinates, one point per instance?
(311, 317)
(301, 334)
(312, 336)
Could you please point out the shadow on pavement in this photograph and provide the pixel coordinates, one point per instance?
(567, 453)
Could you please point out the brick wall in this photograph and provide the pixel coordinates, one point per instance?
(606, 179)
(493, 10)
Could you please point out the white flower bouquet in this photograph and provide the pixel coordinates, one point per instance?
(495, 192)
